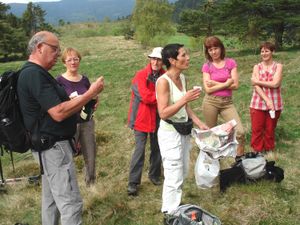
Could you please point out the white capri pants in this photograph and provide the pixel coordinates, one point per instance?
(175, 154)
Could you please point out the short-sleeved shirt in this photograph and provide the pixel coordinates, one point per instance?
(70, 86)
(220, 75)
(37, 94)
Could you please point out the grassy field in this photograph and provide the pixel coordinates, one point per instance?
(107, 203)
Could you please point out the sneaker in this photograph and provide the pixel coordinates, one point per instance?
(155, 181)
(132, 190)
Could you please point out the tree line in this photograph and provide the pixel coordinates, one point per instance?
(153, 21)
(250, 21)
(15, 31)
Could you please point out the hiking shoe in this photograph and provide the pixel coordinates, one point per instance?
(132, 190)
(155, 181)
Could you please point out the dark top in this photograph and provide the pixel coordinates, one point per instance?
(70, 86)
(38, 91)
(81, 87)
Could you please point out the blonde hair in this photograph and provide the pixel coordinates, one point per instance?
(68, 51)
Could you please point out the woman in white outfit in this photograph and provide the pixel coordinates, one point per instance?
(172, 102)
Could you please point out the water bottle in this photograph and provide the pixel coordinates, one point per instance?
(87, 111)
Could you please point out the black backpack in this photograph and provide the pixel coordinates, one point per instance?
(250, 168)
(13, 134)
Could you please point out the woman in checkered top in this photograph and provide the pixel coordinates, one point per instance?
(266, 80)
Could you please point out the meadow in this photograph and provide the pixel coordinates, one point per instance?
(107, 202)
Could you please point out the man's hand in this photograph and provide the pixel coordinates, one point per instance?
(97, 86)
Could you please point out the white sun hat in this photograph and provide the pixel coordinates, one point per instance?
(156, 53)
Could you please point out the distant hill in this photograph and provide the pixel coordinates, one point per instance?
(81, 10)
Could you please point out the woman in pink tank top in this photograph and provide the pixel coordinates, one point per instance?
(266, 103)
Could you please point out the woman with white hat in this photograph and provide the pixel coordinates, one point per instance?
(143, 119)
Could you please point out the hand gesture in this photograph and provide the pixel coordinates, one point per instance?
(202, 126)
(192, 95)
(97, 86)
(270, 104)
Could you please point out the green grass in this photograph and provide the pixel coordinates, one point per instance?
(107, 203)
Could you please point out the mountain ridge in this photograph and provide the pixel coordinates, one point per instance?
(80, 10)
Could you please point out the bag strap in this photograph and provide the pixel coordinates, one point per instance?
(1, 168)
(169, 121)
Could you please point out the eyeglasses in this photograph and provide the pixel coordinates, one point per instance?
(75, 60)
(54, 47)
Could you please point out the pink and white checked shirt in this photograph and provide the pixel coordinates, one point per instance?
(273, 93)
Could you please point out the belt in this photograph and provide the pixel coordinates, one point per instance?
(61, 138)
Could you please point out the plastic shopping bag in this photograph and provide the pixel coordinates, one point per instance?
(206, 171)
(219, 141)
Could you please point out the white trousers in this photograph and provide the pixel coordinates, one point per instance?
(175, 153)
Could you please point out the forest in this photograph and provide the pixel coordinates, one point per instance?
(249, 21)
(116, 50)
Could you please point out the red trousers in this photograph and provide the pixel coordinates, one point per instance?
(263, 129)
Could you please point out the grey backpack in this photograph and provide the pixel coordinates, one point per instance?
(254, 165)
(191, 215)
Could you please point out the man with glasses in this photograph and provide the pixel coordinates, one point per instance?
(143, 119)
(49, 115)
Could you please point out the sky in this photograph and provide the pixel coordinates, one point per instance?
(25, 1)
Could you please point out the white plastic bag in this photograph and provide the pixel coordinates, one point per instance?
(206, 171)
(219, 141)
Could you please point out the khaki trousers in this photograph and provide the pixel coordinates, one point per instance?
(213, 106)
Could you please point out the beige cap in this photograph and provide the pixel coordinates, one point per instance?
(156, 53)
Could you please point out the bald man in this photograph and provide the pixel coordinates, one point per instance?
(50, 116)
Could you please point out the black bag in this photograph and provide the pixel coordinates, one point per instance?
(13, 134)
(231, 176)
(184, 128)
(191, 215)
(256, 170)
(274, 173)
